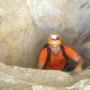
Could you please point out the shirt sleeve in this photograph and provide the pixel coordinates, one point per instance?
(71, 53)
(43, 56)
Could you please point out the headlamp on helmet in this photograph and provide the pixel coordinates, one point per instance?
(54, 39)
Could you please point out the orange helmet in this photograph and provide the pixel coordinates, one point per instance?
(54, 39)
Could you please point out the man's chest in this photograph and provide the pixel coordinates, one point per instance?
(57, 59)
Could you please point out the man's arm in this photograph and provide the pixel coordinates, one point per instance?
(42, 58)
(76, 57)
(80, 61)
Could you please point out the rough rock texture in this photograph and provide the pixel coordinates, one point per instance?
(17, 78)
(18, 40)
(25, 24)
(49, 78)
(70, 16)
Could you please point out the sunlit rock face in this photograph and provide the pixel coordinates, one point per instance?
(25, 24)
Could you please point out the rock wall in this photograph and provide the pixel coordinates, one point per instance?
(25, 24)
(66, 16)
(18, 42)
(24, 27)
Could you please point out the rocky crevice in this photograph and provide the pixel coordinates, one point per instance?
(24, 27)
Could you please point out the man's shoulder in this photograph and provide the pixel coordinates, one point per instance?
(44, 50)
(67, 47)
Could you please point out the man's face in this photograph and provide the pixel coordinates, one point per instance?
(55, 48)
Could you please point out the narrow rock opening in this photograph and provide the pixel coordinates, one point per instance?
(24, 28)
(25, 25)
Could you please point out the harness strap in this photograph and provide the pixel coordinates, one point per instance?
(63, 52)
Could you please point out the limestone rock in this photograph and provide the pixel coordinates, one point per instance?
(24, 27)
(66, 16)
(18, 78)
(25, 24)
(44, 77)
(17, 34)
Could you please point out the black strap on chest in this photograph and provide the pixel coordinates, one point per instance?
(63, 52)
(48, 57)
(49, 53)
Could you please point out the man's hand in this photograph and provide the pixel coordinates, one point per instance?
(78, 69)
(80, 62)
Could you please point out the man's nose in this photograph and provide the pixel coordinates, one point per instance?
(55, 48)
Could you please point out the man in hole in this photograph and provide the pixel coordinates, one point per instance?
(57, 56)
